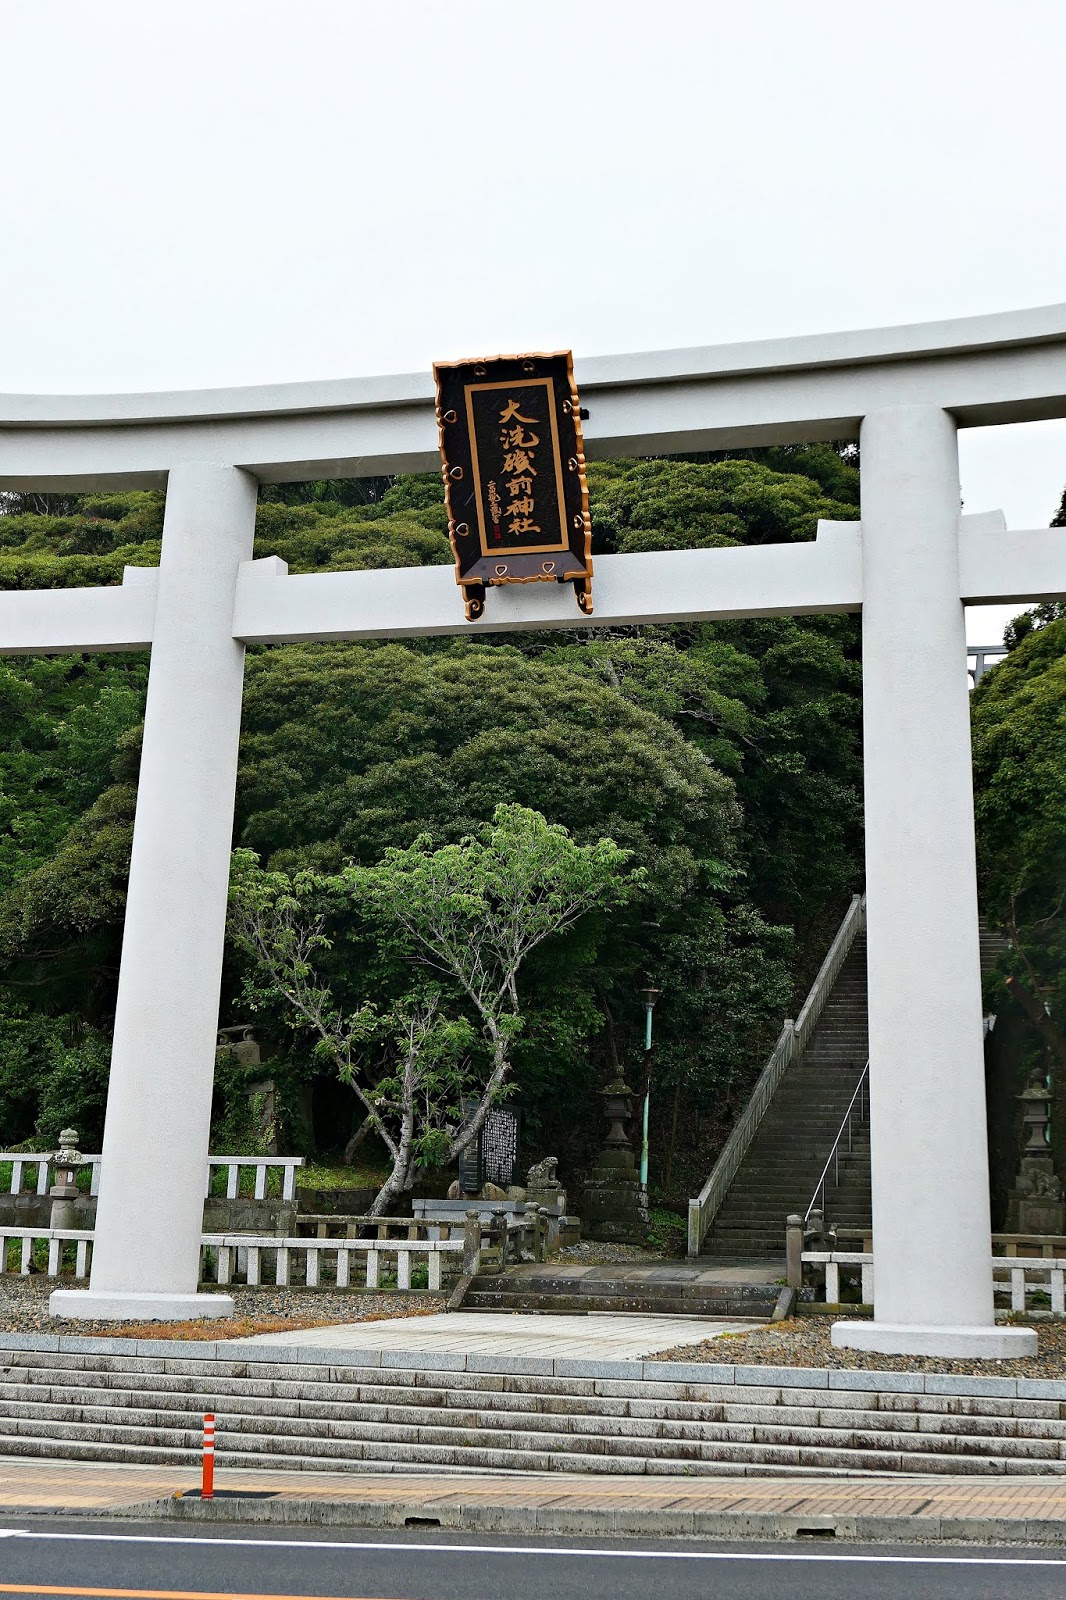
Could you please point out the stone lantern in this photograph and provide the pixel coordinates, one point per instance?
(612, 1206)
(1036, 1203)
(618, 1108)
(67, 1163)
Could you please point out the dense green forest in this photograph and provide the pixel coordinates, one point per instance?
(725, 758)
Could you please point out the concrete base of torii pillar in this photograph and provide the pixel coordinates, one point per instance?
(87, 1305)
(943, 1340)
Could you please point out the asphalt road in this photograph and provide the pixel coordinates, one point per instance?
(44, 1556)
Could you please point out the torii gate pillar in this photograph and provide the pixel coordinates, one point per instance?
(162, 1063)
(929, 1144)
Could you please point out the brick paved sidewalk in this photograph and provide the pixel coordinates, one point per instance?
(1024, 1510)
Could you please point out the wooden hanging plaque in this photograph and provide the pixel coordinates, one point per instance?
(514, 474)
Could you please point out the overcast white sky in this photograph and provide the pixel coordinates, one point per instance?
(232, 191)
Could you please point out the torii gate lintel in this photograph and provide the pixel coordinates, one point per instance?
(996, 565)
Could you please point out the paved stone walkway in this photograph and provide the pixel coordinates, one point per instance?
(1027, 1509)
(606, 1336)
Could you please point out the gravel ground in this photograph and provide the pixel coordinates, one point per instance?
(591, 1253)
(804, 1342)
(24, 1309)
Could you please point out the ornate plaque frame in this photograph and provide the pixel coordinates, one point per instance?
(514, 474)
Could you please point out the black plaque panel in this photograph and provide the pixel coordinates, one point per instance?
(500, 1138)
(514, 474)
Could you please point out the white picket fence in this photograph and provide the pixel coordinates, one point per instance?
(261, 1165)
(266, 1260)
(55, 1238)
(1027, 1276)
(832, 1261)
(260, 1259)
(234, 1165)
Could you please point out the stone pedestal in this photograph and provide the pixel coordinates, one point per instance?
(543, 1187)
(63, 1210)
(613, 1208)
(64, 1192)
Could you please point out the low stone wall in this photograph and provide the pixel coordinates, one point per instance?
(346, 1202)
(28, 1210)
(249, 1216)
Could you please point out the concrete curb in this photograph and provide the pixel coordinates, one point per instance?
(645, 1371)
(592, 1521)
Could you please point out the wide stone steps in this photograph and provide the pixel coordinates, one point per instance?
(788, 1152)
(679, 1290)
(529, 1301)
(279, 1413)
(792, 1143)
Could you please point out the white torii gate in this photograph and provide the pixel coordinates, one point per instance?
(910, 566)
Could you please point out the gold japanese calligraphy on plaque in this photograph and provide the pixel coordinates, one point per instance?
(514, 474)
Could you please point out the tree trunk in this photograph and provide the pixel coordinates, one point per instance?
(395, 1184)
(1034, 1010)
(356, 1140)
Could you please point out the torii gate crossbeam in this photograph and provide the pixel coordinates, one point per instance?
(909, 567)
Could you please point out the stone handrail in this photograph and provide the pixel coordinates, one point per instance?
(55, 1238)
(853, 923)
(1029, 1244)
(506, 1237)
(42, 1160)
(832, 1261)
(792, 1040)
(262, 1165)
(1027, 1276)
(343, 1225)
(220, 1251)
(262, 1251)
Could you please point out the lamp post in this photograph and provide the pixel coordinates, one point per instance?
(649, 997)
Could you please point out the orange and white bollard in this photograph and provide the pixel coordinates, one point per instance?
(207, 1490)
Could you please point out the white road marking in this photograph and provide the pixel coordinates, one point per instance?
(207, 1541)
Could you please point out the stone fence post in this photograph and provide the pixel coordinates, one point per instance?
(794, 1251)
(471, 1244)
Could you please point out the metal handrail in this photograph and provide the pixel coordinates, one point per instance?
(836, 1152)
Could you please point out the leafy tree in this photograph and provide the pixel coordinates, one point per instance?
(53, 1073)
(351, 748)
(724, 756)
(1019, 734)
(671, 505)
(472, 913)
(61, 717)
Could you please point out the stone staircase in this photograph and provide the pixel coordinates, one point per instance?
(677, 1288)
(792, 1142)
(786, 1156)
(375, 1411)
